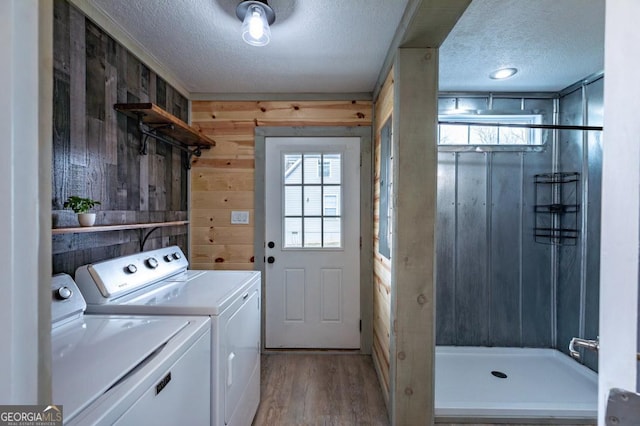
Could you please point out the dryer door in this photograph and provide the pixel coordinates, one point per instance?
(242, 358)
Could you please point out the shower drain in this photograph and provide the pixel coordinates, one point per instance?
(499, 374)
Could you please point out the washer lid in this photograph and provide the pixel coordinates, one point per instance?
(209, 293)
(91, 354)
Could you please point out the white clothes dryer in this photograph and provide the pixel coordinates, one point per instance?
(157, 282)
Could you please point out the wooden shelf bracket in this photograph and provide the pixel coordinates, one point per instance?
(148, 131)
(154, 122)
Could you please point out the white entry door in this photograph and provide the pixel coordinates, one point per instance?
(312, 242)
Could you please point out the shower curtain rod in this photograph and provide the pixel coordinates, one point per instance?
(523, 126)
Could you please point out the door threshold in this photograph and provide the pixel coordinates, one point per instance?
(315, 351)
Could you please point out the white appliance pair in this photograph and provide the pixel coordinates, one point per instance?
(157, 282)
(125, 370)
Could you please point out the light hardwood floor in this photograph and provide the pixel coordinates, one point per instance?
(320, 390)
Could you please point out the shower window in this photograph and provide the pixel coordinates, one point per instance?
(468, 129)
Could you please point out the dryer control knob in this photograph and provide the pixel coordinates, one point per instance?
(176, 255)
(63, 293)
(131, 268)
(152, 263)
(168, 258)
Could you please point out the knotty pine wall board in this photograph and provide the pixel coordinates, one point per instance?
(96, 149)
(222, 180)
(383, 108)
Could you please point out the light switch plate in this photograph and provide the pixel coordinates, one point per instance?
(240, 217)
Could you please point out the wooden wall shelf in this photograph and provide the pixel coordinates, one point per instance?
(103, 228)
(157, 123)
(152, 226)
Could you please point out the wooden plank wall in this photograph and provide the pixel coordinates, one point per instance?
(383, 109)
(222, 180)
(95, 149)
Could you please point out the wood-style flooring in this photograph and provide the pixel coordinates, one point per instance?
(320, 390)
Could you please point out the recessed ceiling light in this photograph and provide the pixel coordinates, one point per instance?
(503, 73)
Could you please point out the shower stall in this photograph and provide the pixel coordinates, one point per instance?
(518, 233)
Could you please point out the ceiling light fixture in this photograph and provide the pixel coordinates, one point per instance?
(503, 73)
(256, 16)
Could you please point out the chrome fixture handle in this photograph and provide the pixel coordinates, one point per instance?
(593, 345)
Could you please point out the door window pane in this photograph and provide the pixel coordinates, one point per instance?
(311, 174)
(293, 200)
(313, 232)
(312, 200)
(332, 231)
(332, 168)
(292, 232)
(332, 205)
(292, 168)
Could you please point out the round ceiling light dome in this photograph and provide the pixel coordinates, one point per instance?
(502, 73)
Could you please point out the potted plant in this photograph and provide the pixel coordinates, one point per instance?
(81, 207)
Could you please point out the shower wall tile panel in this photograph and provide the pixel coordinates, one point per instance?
(473, 104)
(570, 160)
(472, 248)
(507, 104)
(445, 249)
(537, 288)
(540, 106)
(595, 98)
(506, 248)
(95, 149)
(493, 282)
(578, 275)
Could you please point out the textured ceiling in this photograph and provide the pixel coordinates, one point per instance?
(338, 46)
(316, 46)
(552, 43)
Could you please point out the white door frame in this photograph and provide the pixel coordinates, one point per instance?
(26, 79)
(366, 208)
(620, 203)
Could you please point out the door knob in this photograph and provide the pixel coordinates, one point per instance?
(271, 244)
(271, 259)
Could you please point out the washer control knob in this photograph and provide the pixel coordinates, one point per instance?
(168, 258)
(152, 262)
(176, 255)
(131, 268)
(63, 293)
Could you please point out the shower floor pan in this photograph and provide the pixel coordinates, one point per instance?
(513, 384)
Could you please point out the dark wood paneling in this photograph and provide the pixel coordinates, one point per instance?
(96, 149)
(95, 60)
(61, 143)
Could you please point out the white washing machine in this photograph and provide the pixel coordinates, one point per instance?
(157, 282)
(126, 370)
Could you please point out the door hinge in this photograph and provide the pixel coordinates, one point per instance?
(360, 242)
(360, 326)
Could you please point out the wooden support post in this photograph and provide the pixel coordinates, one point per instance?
(413, 290)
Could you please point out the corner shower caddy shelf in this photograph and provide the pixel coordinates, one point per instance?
(154, 122)
(121, 227)
(556, 209)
